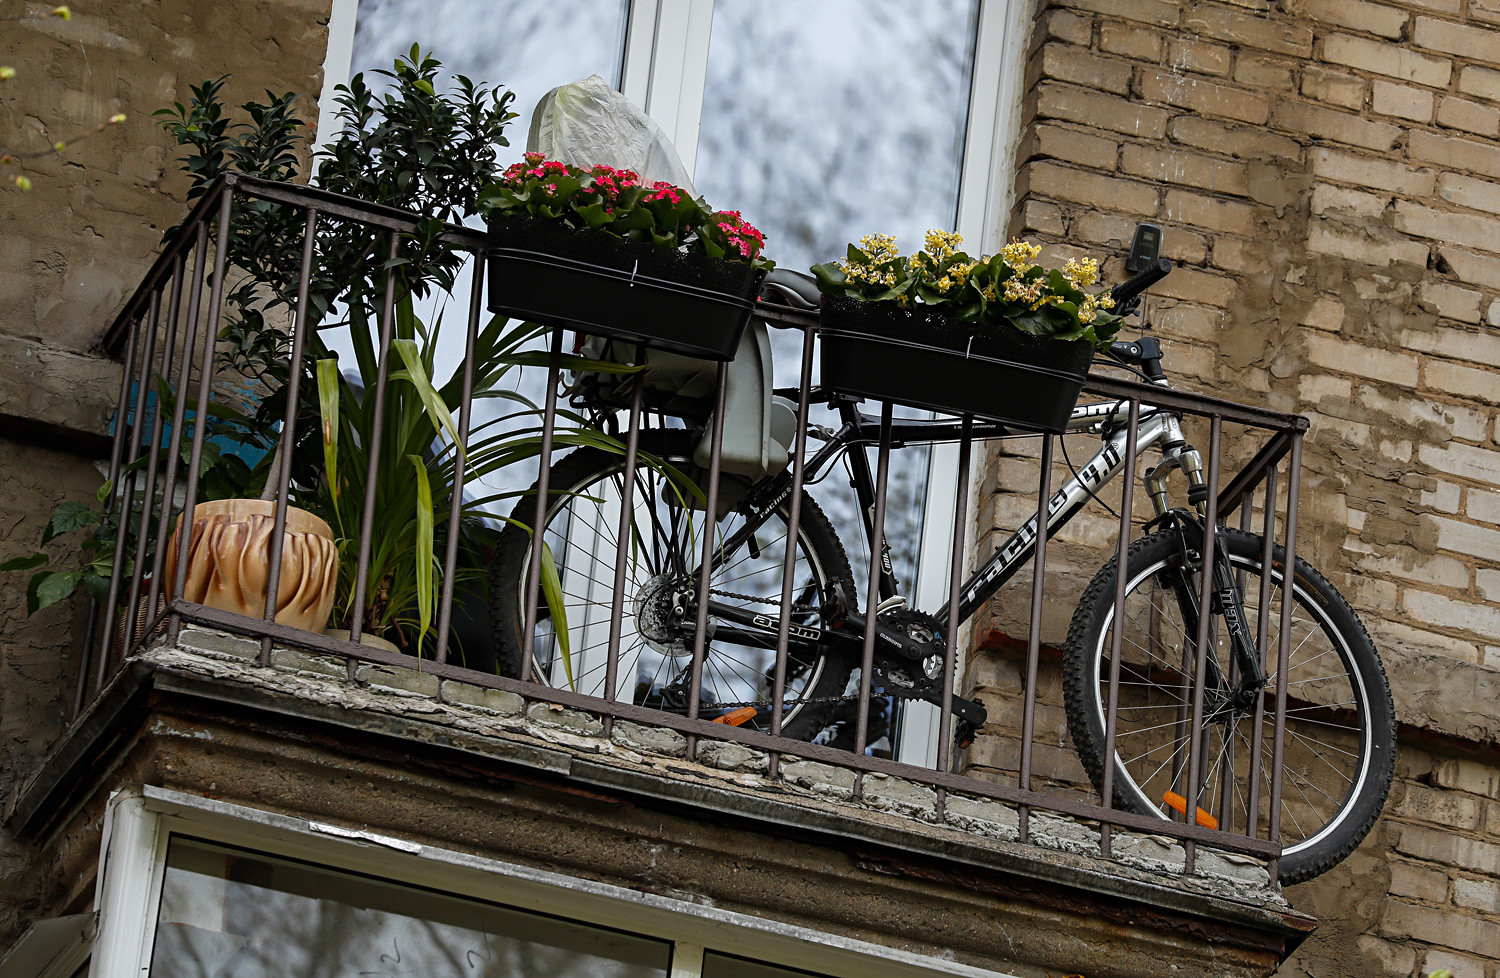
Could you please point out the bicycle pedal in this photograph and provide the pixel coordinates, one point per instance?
(1178, 804)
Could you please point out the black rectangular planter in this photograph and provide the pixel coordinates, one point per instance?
(922, 360)
(604, 286)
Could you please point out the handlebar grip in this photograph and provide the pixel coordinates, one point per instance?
(1132, 287)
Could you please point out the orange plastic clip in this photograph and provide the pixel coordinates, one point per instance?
(738, 717)
(1179, 804)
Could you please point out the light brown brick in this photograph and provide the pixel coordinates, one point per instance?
(1442, 927)
(1335, 87)
(1208, 98)
(1043, 217)
(1340, 127)
(1159, 12)
(1257, 33)
(1456, 964)
(1191, 285)
(1404, 101)
(1074, 64)
(1471, 776)
(1471, 192)
(1483, 82)
(1131, 41)
(1050, 180)
(1441, 846)
(1358, 15)
(1199, 56)
(1479, 894)
(1467, 230)
(1454, 344)
(1460, 113)
(1253, 143)
(1101, 228)
(1067, 25)
(1397, 960)
(1385, 58)
(1470, 43)
(1487, 11)
(1453, 153)
(1228, 216)
(1079, 148)
(1263, 73)
(1466, 462)
(1449, 301)
(1341, 202)
(1353, 244)
(1088, 108)
(1367, 171)
(1343, 357)
(1408, 879)
(1179, 167)
(1464, 616)
(1461, 381)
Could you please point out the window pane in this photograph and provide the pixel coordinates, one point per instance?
(529, 46)
(826, 121)
(226, 913)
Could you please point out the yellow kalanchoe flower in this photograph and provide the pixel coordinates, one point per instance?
(942, 245)
(1019, 255)
(1081, 272)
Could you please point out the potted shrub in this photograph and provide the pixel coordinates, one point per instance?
(597, 250)
(999, 337)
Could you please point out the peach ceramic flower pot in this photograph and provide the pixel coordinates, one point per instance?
(229, 562)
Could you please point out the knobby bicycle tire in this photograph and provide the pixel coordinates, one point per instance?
(1340, 727)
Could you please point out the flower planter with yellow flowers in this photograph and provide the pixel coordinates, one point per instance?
(998, 338)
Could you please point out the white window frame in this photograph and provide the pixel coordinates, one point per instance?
(664, 70)
(140, 823)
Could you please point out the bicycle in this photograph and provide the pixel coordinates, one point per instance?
(1340, 732)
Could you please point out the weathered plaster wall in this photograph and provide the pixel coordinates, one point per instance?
(1326, 174)
(71, 250)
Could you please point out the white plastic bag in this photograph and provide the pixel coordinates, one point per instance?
(588, 122)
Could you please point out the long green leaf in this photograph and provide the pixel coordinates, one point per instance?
(416, 375)
(552, 593)
(425, 554)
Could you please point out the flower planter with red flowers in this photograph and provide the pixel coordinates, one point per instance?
(997, 338)
(597, 251)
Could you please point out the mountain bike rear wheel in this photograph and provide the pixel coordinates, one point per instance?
(585, 490)
(1340, 723)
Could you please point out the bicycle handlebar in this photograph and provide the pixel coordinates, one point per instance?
(1132, 287)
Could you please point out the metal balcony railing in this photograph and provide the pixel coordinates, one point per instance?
(162, 449)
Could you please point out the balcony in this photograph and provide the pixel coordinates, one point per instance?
(618, 681)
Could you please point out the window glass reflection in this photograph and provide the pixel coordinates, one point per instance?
(226, 913)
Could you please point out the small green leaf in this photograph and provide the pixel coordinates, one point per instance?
(48, 588)
(68, 517)
(24, 563)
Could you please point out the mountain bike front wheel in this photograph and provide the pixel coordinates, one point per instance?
(664, 543)
(1340, 736)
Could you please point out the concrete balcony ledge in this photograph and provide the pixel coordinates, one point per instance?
(219, 722)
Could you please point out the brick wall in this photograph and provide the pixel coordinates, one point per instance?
(1328, 176)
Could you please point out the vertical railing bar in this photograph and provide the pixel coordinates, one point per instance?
(126, 495)
(460, 459)
(955, 587)
(1034, 638)
(539, 523)
(705, 567)
(872, 591)
(377, 424)
(168, 461)
(1262, 633)
(623, 538)
(283, 477)
(789, 561)
(1205, 622)
(143, 388)
(1283, 643)
(1116, 646)
(179, 421)
(117, 449)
